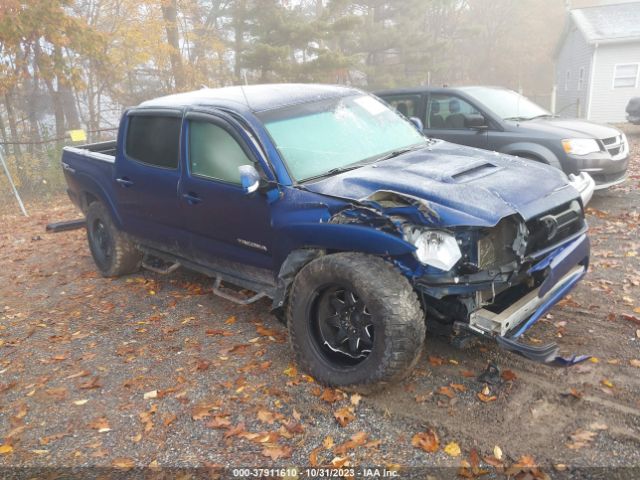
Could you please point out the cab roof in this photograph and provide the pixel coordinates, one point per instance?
(256, 98)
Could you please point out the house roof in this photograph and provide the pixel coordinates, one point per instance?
(609, 23)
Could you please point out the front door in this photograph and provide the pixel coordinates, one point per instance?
(447, 117)
(223, 221)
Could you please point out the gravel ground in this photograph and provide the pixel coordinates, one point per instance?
(153, 371)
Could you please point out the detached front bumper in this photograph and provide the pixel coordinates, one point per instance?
(565, 268)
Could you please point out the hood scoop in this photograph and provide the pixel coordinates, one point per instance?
(474, 171)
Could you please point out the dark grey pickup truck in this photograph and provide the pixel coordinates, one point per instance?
(498, 119)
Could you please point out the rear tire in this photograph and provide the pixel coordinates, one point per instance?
(354, 321)
(113, 252)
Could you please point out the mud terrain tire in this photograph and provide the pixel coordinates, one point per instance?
(391, 307)
(113, 252)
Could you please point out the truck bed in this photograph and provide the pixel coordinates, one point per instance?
(89, 168)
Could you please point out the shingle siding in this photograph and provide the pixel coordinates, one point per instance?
(574, 55)
(608, 103)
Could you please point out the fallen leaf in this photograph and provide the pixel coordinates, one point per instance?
(606, 383)
(330, 395)
(328, 442)
(635, 363)
(235, 431)
(277, 452)
(219, 421)
(123, 463)
(4, 449)
(290, 371)
(356, 440)
(101, 424)
(344, 416)
(486, 398)
(581, 438)
(458, 387)
(313, 457)
(435, 361)
(497, 452)
(230, 321)
(446, 391)
(150, 394)
(452, 449)
(80, 402)
(265, 416)
(427, 441)
(508, 376)
(91, 383)
(355, 399)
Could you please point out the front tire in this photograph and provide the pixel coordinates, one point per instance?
(354, 321)
(112, 251)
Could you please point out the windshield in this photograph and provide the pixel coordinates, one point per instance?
(317, 138)
(507, 104)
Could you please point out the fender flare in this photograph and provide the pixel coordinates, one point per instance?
(89, 186)
(307, 241)
(528, 149)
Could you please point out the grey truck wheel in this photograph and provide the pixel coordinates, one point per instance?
(354, 321)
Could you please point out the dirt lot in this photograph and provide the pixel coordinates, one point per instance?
(152, 370)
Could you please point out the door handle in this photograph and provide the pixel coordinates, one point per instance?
(124, 182)
(191, 198)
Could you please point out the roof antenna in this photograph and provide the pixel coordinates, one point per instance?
(244, 75)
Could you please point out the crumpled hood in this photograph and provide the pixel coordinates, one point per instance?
(569, 128)
(462, 185)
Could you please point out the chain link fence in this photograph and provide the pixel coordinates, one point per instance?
(35, 168)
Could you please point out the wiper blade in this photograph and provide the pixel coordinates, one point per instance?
(397, 153)
(525, 119)
(335, 171)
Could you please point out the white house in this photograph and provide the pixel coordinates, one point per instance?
(598, 62)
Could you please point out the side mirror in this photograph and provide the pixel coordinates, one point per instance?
(249, 178)
(474, 120)
(417, 123)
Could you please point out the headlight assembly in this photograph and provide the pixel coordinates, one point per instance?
(580, 146)
(435, 247)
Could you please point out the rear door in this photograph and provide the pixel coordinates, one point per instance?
(446, 118)
(223, 222)
(147, 174)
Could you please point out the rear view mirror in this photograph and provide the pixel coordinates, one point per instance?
(474, 120)
(249, 178)
(417, 123)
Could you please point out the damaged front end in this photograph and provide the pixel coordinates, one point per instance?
(494, 282)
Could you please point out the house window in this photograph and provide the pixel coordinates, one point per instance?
(625, 75)
(581, 78)
(567, 79)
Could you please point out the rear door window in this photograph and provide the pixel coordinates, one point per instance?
(408, 105)
(154, 140)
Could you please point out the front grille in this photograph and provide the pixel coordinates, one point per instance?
(614, 145)
(553, 226)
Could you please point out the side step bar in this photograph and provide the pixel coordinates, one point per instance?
(217, 291)
(171, 267)
(173, 263)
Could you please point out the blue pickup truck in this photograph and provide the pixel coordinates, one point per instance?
(363, 232)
